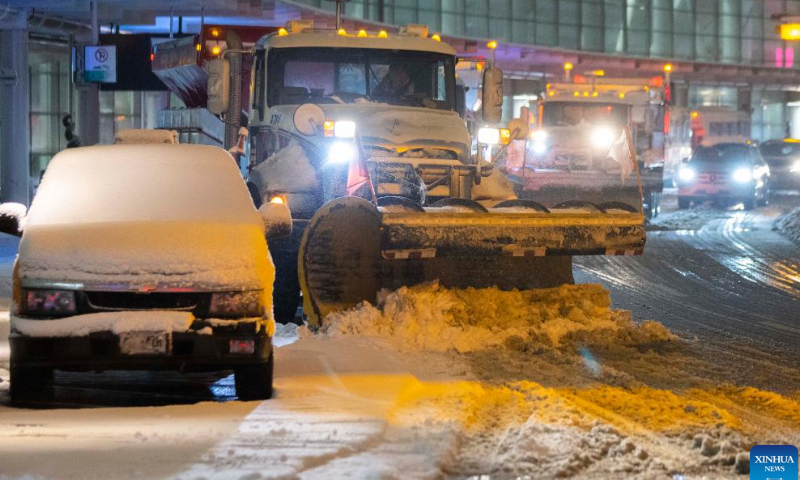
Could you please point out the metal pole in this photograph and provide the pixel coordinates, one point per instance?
(15, 120)
(339, 13)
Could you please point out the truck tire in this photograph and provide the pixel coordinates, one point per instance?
(254, 382)
(286, 299)
(29, 384)
(286, 289)
(684, 203)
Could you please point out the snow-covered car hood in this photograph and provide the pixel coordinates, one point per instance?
(391, 126)
(146, 256)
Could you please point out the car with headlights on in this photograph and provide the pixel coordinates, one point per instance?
(144, 257)
(783, 158)
(726, 173)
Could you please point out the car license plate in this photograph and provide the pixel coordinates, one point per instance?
(144, 343)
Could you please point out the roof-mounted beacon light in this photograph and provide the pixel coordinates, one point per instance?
(414, 30)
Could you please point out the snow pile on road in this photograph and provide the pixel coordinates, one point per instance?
(789, 225)
(432, 317)
(692, 219)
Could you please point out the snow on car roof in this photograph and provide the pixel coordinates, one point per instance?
(331, 39)
(119, 183)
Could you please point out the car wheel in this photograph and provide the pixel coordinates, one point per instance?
(29, 383)
(684, 202)
(254, 382)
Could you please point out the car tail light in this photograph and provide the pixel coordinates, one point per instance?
(50, 302)
(236, 304)
(242, 347)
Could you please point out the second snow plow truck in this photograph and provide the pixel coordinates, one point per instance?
(363, 136)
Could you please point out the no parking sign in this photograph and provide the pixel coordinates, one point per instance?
(100, 64)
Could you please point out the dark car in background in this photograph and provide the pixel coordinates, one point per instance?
(726, 173)
(783, 158)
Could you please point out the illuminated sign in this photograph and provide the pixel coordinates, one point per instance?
(100, 64)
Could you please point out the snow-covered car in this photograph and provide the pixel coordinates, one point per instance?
(783, 158)
(142, 257)
(725, 172)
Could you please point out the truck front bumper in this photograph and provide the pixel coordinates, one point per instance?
(187, 351)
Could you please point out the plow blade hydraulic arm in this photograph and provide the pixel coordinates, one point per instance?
(351, 249)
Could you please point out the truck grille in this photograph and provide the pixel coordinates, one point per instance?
(119, 301)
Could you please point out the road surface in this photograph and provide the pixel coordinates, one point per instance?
(724, 277)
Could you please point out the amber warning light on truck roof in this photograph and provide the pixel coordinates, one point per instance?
(790, 31)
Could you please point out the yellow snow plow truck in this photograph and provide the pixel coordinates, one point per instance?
(363, 135)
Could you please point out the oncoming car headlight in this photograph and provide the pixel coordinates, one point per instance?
(341, 152)
(50, 302)
(602, 137)
(236, 304)
(742, 175)
(686, 174)
(795, 167)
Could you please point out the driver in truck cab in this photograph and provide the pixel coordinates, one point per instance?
(395, 84)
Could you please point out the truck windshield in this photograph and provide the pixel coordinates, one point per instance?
(343, 75)
(568, 114)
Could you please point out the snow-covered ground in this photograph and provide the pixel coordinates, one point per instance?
(428, 383)
(789, 225)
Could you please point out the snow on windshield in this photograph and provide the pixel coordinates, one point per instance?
(128, 183)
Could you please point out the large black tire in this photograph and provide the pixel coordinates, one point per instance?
(286, 296)
(254, 382)
(684, 203)
(286, 289)
(29, 384)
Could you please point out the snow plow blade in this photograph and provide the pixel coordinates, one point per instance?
(352, 249)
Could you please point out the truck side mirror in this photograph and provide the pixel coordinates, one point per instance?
(461, 100)
(492, 97)
(219, 83)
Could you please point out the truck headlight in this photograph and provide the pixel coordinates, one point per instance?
(686, 174)
(339, 128)
(236, 304)
(539, 144)
(341, 152)
(602, 137)
(50, 302)
(742, 175)
(489, 136)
